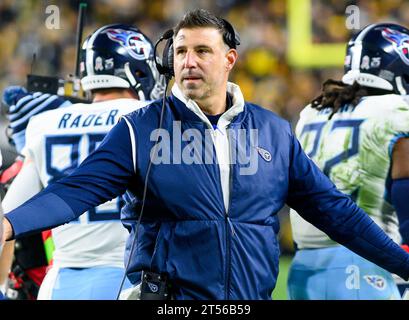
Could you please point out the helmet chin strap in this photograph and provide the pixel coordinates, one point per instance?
(134, 84)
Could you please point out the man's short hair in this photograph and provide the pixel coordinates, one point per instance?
(201, 18)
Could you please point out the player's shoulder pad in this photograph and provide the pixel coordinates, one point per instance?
(391, 102)
(307, 110)
(390, 110)
(145, 107)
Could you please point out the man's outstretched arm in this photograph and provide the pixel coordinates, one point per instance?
(104, 175)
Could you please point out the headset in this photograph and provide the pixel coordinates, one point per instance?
(230, 37)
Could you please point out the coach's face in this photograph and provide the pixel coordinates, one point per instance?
(202, 63)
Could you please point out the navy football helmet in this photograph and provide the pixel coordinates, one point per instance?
(120, 56)
(378, 57)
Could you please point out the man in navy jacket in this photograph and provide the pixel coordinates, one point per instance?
(217, 171)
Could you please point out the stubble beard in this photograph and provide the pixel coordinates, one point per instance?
(194, 92)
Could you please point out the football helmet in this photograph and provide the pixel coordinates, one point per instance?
(378, 57)
(120, 56)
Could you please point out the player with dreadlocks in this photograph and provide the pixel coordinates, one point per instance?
(356, 131)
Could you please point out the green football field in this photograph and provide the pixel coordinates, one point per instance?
(280, 291)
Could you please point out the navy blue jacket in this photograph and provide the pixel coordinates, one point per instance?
(186, 232)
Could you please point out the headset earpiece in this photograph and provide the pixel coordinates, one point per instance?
(166, 68)
(167, 59)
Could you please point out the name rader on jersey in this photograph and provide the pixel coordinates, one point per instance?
(69, 120)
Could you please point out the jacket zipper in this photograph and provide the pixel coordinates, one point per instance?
(229, 225)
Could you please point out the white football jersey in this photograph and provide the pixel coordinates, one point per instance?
(354, 150)
(57, 141)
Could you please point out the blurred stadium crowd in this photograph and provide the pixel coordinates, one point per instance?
(263, 72)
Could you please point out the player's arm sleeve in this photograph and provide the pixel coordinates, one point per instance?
(102, 176)
(399, 197)
(399, 185)
(397, 149)
(25, 185)
(318, 201)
